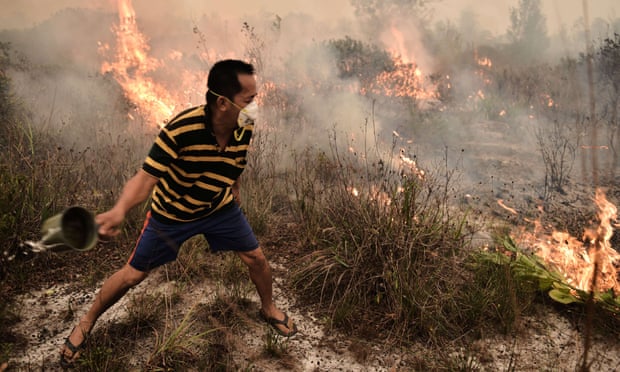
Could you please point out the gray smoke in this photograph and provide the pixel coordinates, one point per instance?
(60, 44)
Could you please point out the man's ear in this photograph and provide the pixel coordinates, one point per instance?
(221, 104)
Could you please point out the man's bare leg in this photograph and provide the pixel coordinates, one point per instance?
(113, 289)
(260, 273)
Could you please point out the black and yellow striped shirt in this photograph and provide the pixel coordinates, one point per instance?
(195, 177)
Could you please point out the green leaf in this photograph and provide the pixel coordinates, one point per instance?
(562, 296)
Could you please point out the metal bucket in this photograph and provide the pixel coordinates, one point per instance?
(74, 228)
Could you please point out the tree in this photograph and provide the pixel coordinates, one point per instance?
(376, 15)
(607, 61)
(528, 31)
(360, 60)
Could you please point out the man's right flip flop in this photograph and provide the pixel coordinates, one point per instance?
(273, 322)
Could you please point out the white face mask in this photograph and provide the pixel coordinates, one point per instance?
(248, 115)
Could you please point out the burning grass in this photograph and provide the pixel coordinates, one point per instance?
(571, 269)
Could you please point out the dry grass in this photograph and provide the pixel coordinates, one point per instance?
(389, 256)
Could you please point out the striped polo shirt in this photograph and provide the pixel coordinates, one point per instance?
(195, 177)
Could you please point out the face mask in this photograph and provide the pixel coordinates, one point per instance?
(248, 115)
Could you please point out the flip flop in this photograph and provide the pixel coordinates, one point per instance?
(273, 322)
(68, 362)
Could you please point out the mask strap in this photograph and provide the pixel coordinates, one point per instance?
(226, 98)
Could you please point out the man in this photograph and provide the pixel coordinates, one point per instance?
(192, 176)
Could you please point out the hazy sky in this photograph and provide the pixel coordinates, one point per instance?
(492, 16)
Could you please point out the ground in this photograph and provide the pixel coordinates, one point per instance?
(550, 338)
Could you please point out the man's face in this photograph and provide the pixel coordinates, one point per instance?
(240, 100)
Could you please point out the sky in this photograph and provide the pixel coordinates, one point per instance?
(492, 16)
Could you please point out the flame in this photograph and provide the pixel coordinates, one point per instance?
(132, 66)
(400, 44)
(509, 209)
(411, 165)
(485, 61)
(353, 190)
(405, 79)
(579, 259)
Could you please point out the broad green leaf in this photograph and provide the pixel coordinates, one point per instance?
(562, 296)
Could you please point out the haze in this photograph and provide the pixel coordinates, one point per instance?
(290, 36)
(492, 16)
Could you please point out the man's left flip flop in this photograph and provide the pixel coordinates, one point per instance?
(68, 362)
(274, 323)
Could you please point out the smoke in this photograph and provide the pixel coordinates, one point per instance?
(66, 42)
(55, 72)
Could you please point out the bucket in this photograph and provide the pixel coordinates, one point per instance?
(74, 228)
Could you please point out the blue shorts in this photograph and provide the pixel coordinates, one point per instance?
(159, 243)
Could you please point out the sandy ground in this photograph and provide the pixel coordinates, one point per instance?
(546, 342)
(45, 326)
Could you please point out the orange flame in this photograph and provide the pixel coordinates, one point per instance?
(485, 61)
(577, 258)
(132, 66)
(509, 209)
(405, 79)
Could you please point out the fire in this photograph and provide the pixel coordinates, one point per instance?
(579, 259)
(411, 165)
(353, 190)
(485, 64)
(485, 61)
(509, 209)
(400, 44)
(405, 79)
(132, 66)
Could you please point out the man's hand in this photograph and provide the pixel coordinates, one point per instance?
(135, 191)
(109, 222)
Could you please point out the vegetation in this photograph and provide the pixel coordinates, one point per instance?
(528, 31)
(375, 238)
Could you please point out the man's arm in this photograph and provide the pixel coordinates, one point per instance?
(135, 191)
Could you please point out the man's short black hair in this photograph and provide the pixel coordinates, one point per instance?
(223, 78)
